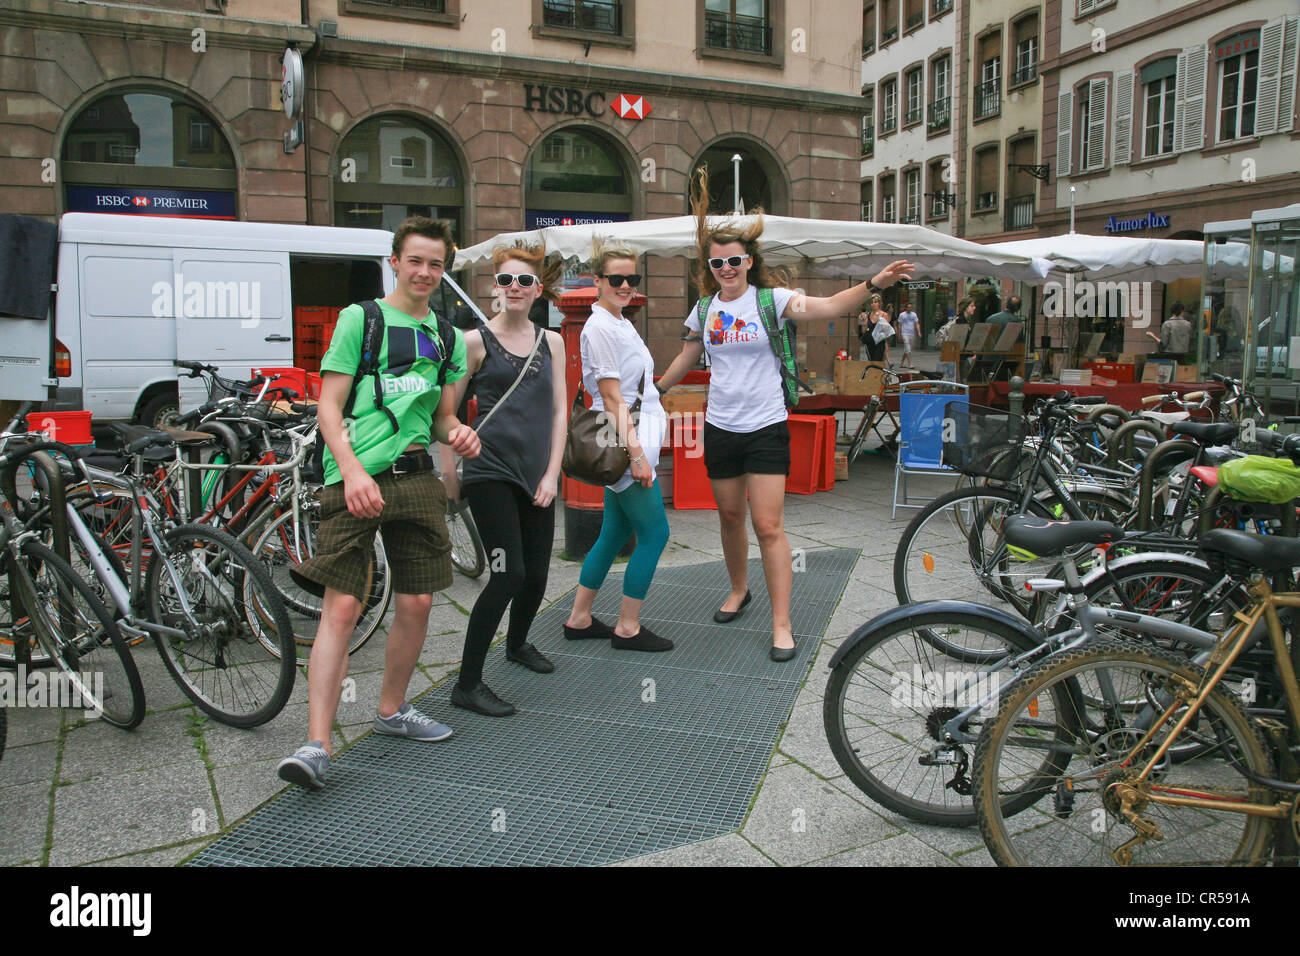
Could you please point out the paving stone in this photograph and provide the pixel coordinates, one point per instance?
(797, 819)
(113, 815)
(979, 857)
(804, 740)
(169, 856)
(729, 850)
(228, 746)
(99, 748)
(244, 787)
(26, 813)
(161, 692)
(900, 850)
(445, 648)
(30, 725)
(33, 763)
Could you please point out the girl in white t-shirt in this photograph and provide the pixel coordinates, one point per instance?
(616, 369)
(746, 438)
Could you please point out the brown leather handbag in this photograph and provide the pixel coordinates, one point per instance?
(592, 452)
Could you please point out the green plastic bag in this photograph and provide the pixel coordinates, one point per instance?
(1259, 478)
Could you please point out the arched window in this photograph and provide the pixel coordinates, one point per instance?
(148, 152)
(575, 175)
(394, 166)
(760, 182)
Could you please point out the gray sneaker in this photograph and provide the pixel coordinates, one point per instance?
(409, 722)
(306, 767)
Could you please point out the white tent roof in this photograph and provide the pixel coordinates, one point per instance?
(1133, 259)
(817, 247)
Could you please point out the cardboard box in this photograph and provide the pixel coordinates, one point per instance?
(685, 398)
(1187, 373)
(823, 388)
(950, 352)
(849, 378)
(841, 466)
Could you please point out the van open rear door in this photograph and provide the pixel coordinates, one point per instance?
(27, 253)
(233, 309)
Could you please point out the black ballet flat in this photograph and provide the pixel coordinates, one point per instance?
(726, 617)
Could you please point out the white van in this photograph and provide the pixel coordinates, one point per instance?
(135, 294)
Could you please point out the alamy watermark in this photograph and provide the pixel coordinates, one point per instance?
(1086, 299)
(687, 427)
(235, 299)
(925, 689)
(52, 688)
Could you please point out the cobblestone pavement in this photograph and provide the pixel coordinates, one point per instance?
(85, 793)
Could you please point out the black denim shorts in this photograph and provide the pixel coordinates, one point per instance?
(732, 454)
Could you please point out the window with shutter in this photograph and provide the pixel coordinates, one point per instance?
(1123, 118)
(1277, 69)
(1290, 67)
(1096, 158)
(1064, 117)
(1191, 94)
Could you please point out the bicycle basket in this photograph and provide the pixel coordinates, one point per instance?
(982, 442)
(1258, 478)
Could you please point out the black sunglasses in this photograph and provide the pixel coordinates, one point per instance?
(617, 280)
(733, 261)
(526, 280)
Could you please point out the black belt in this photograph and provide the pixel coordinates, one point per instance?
(413, 463)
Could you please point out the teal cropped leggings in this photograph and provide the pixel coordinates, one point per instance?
(636, 509)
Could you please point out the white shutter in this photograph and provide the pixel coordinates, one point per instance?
(1096, 157)
(1064, 119)
(1270, 77)
(1189, 109)
(1286, 87)
(1123, 148)
(1085, 6)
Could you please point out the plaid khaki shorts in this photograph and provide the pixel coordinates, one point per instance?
(414, 527)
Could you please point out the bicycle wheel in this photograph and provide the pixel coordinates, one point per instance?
(467, 552)
(954, 549)
(282, 545)
(236, 658)
(1078, 817)
(887, 702)
(78, 636)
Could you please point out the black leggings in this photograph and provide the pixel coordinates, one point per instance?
(517, 536)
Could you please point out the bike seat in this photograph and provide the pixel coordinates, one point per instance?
(1206, 475)
(1268, 552)
(1043, 537)
(1207, 433)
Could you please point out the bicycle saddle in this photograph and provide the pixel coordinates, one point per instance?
(1268, 552)
(1207, 433)
(1043, 537)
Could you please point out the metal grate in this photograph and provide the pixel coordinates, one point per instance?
(612, 756)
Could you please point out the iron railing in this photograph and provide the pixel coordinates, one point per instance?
(1019, 212)
(1024, 74)
(888, 124)
(988, 99)
(723, 31)
(939, 113)
(597, 16)
(987, 200)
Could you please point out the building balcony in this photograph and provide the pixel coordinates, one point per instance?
(596, 16)
(986, 201)
(889, 35)
(740, 33)
(868, 47)
(939, 113)
(912, 116)
(1025, 74)
(1019, 212)
(915, 20)
(988, 99)
(888, 124)
(942, 6)
(868, 145)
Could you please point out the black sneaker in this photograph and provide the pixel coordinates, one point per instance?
(531, 658)
(643, 640)
(597, 629)
(481, 700)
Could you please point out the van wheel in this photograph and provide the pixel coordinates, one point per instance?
(162, 409)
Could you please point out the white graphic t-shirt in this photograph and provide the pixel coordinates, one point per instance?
(745, 391)
(907, 324)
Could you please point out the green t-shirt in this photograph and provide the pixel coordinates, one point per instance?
(409, 360)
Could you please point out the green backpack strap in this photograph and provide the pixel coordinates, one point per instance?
(701, 315)
(782, 341)
(372, 340)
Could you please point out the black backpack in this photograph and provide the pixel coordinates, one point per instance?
(372, 342)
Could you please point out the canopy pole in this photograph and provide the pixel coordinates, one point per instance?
(1071, 210)
(735, 179)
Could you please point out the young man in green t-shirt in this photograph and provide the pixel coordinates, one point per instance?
(380, 478)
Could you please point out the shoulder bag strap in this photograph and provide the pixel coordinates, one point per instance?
(519, 378)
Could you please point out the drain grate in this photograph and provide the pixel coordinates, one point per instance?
(613, 756)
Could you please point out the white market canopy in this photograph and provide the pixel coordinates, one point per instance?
(1114, 258)
(829, 248)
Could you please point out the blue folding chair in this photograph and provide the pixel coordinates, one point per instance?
(920, 437)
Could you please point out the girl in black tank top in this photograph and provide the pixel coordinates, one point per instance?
(512, 487)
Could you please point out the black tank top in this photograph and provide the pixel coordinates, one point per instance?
(516, 443)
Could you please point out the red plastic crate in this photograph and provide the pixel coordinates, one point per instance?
(294, 378)
(71, 428)
(691, 488)
(307, 315)
(805, 454)
(313, 385)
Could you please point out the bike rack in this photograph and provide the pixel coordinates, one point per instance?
(1147, 479)
(1121, 439)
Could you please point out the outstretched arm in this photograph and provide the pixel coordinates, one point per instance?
(833, 306)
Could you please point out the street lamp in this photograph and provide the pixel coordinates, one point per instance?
(735, 175)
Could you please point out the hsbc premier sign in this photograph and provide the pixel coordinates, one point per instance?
(152, 201)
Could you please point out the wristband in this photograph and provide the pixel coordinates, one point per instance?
(640, 457)
(660, 389)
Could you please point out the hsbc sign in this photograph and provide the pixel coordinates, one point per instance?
(568, 101)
